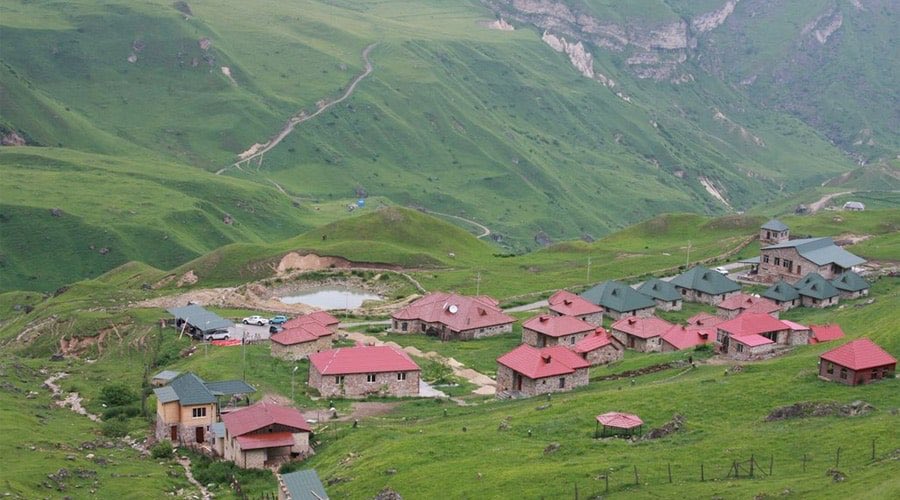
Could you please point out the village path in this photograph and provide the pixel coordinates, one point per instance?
(186, 463)
(486, 385)
(485, 231)
(302, 117)
(818, 205)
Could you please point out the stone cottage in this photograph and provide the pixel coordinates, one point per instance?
(792, 259)
(265, 435)
(453, 317)
(783, 294)
(528, 371)
(599, 348)
(565, 303)
(816, 291)
(773, 232)
(664, 293)
(546, 330)
(640, 334)
(851, 285)
(751, 335)
(742, 302)
(362, 371)
(618, 300)
(701, 284)
(857, 362)
(299, 342)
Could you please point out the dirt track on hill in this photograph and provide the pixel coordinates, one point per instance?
(301, 116)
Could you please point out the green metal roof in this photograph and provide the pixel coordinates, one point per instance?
(167, 375)
(200, 318)
(617, 297)
(781, 291)
(304, 485)
(191, 390)
(659, 289)
(705, 280)
(815, 286)
(821, 251)
(229, 387)
(850, 282)
(774, 225)
(165, 394)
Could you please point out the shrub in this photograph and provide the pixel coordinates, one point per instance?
(704, 348)
(121, 412)
(162, 449)
(117, 427)
(117, 395)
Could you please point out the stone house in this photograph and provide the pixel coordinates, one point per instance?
(783, 295)
(857, 362)
(749, 347)
(640, 334)
(188, 406)
(296, 343)
(528, 371)
(599, 348)
(362, 371)
(565, 303)
(749, 329)
(545, 330)
(701, 284)
(453, 317)
(851, 285)
(816, 291)
(319, 317)
(619, 300)
(664, 293)
(265, 435)
(774, 232)
(792, 259)
(742, 302)
(680, 337)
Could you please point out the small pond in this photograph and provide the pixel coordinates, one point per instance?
(331, 297)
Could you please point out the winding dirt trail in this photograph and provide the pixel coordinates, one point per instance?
(817, 205)
(71, 401)
(301, 116)
(485, 231)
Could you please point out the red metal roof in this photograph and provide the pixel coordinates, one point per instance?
(825, 333)
(569, 304)
(362, 359)
(644, 328)
(537, 363)
(859, 355)
(684, 337)
(748, 323)
(749, 303)
(260, 415)
(265, 440)
(313, 323)
(600, 338)
(620, 420)
(704, 319)
(557, 326)
(752, 340)
(294, 336)
(457, 312)
(323, 318)
(794, 326)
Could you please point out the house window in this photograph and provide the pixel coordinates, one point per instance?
(339, 379)
(403, 326)
(874, 374)
(829, 368)
(401, 376)
(798, 269)
(843, 373)
(572, 340)
(777, 261)
(739, 347)
(198, 412)
(815, 301)
(562, 382)
(684, 291)
(674, 303)
(766, 259)
(370, 377)
(884, 372)
(788, 264)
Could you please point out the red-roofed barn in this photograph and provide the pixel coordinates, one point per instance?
(565, 303)
(360, 371)
(599, 348)
(640, 334)
(528, 371)
(264, 435)
(453, 317)
(858, 362)
(546, 330)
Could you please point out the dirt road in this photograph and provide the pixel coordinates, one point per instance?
(485, 231)
(301, 116)
(818, 205)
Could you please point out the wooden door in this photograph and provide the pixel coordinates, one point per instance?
(200, 434)
(173, 433)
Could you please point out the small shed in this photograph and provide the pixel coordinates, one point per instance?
(617, 423)
(164, 377)
(196, 319)
(301, 485)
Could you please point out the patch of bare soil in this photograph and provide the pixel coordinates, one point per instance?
(364, 409)
(71, 401)
(188, 278)
(670, 427)
(645, 370)
(293, 261)
(850, 239)
(819, 409)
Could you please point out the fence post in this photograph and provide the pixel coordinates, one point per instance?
(804, 462)
(873, 449)
(771, 463)
(670, 473)
(576, 491)
(702, 478)
(636, 477)
(837, 458)
(606, 477)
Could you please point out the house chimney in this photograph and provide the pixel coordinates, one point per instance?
(567, 302)
(544, 318)
(545, 358)
(632, 321)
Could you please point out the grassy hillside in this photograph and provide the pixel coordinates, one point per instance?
(491, 125)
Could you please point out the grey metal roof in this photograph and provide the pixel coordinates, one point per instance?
(855, 204)
(165, 394)
(304, 485)
(705, 280)
(781, 291)
(229, 387)
(617, 297)
(821, 251)
(751, 260)
(659, 289)
(850, 282)
(200, 318)
(218, 429)
(166, 375)
(191, 390)
(774, 225)
(815, 286)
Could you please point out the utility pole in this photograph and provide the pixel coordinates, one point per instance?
(292, 384)
(589, 270)
(478, 283)
(687, 261)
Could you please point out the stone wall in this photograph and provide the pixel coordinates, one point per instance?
(811, 302)
(704, 298)
(742, 352)
(536, 339)
(653, 344)
(357, 385)
(771, 272)
(606, 354)
(852, 377)
(302, 350)
(854, 295)
(440, 330)
(640, 313)
(535, 387)
(668, 305)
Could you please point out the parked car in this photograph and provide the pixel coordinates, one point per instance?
(254, 320)
(721, 270)
(216, 335)
(277, 320)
